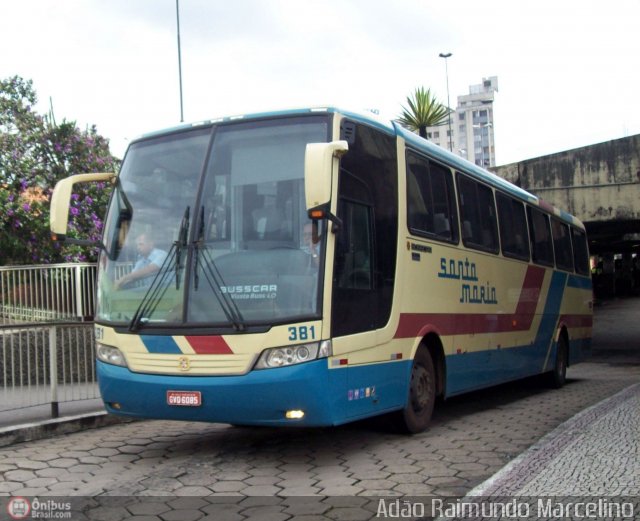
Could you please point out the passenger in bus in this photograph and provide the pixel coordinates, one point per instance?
(149, 261)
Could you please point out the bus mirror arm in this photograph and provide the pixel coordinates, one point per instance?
(336, 221)
(322, 213)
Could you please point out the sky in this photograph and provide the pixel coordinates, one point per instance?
(568, 70)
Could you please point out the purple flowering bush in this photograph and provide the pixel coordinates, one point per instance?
(36, 152)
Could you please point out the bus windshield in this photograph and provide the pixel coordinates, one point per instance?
(208, 228)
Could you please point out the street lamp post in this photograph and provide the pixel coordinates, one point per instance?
(446, 69)
(179, 60)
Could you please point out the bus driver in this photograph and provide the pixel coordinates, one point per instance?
(149, 262)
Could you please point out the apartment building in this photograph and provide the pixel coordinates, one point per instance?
(470, 133)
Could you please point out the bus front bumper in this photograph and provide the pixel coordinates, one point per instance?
(260, 397)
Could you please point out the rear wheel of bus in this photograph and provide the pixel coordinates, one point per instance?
(416, 415)
(558, 376)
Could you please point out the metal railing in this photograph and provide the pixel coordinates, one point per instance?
(47, 293)
(44, 364)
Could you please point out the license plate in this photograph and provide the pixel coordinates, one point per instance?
(184, 398)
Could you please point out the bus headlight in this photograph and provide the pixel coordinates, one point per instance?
(291, 355)
(110, 355)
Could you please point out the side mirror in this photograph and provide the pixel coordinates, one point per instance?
(320, 160)
(59, 218)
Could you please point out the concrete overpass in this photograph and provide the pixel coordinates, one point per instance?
(599, 184)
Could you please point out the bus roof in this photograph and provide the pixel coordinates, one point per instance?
(392, 128)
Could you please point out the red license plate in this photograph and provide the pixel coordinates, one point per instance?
(184, 398)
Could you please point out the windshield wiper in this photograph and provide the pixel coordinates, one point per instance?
(160, 283)
(198, 244)
(181, 243)
(156, 290)
(214, 278)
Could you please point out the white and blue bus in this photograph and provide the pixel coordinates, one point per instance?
(315, 267)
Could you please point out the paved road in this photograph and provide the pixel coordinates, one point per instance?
(170, 470)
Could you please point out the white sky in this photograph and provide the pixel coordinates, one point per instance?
(568, 70)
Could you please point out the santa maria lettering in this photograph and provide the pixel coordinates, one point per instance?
(472, 290)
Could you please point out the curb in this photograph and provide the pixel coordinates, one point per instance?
(56, 427)
(508, 480)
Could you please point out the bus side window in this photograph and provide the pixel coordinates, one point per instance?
(478, 213)
(580, 251)
(562, 245)
(431, 207)
(416, 208)
(513, 227)
(541, 241)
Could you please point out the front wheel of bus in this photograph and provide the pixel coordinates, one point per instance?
(422, 394)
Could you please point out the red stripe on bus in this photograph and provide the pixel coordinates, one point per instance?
(418, 324)
(209, 345)
(577, 320)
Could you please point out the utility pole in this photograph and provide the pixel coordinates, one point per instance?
(446, 68)
(179, 60)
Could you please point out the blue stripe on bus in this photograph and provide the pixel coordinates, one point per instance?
(160, 344)
(551, 311)
(478, 369)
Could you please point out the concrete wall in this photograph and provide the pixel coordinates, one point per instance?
(595, 183)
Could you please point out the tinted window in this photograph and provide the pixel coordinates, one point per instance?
(478, 215)
(513, 227)
(430, 199)
(541, 243)
(580, 251)
(562, 245)
(365, 258)
(354, 251)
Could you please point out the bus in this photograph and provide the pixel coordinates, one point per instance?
(318, 266)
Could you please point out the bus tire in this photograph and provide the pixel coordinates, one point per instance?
(416, 415)
(558, 376)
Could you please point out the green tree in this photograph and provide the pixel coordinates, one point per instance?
(424, 111)
(36, 152)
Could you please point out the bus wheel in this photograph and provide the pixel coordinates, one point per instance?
(558, 376)
(422, 394)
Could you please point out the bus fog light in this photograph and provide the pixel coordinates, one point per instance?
(295, 414)
(110, 355)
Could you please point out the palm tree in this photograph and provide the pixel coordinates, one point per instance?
(424, 111)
